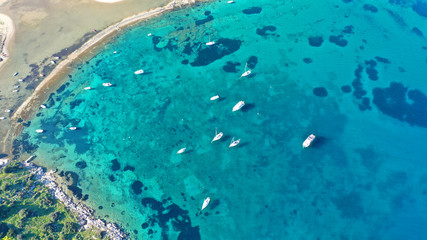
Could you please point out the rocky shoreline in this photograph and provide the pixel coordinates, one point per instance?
(85, 214)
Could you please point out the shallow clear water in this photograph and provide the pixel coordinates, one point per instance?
(349, 72)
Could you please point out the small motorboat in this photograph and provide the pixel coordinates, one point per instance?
(16, 74)
(206, 202)
(53, 62)
(88, 88)
(308, 140)
(115, 52)
(16, 90)
(39, 130)
(1, 118)
(247, 72)
(73, 128)
(7, 110)
(234, 143)
(210, 43)
(181, 150)
(16, 86)
(149, 34)
(217, 137)
(107, 84)
(238, 106)
(140, 71)
(231, 1)
(214, 97)
(20, 80)
(43, 106)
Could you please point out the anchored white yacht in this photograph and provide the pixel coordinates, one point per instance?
(238, 106)
(308, 140)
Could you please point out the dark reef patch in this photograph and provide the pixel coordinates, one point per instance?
(370, 8)
(75, 103)
(252, 62)
(111, 178)
(417, 31)
(307, 60)
(263, 31)
(170, 215)
(320, 92)
(350, 205)
(346, 88)
(370, 70)
(338, 40)
(358, 92)
(205, 20)
(230, 67)
(397, 18)
(421, 8)
(129, 168)
(365, 104)
(224, 46)
(137, 187)
(392, 102)
(81, 164)
(185, 61)
(348, 29)
(347, 1)
(315, 41)
(116, 165)
(252, 10)
(61, 88)
(382, 60)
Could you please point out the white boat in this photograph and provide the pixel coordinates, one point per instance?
(206, 202)
(20, 80)
(16, 90)
(140, 71)
(247, 72)
(73, 128)
(7, 110)
(214, 97)
(115, 52)
(43, 106)
(217, 137)
(308, 141)
(181, 150)
(88, 88)
(238, 106)
(53, 62)
(149, 34)
(1, 118)
(16, 74)
(107, 84)
(230, 1)
(39, 130)
(16, 86)
(234, 143)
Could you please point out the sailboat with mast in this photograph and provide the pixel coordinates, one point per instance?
(217, 137)
(247, 72)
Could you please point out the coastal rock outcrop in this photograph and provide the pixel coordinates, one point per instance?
(84, 213)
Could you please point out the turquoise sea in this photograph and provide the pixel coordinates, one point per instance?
(351, 72)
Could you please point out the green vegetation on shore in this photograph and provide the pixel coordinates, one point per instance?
(28, 210)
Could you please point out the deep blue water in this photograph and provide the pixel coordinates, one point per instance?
(351, 72)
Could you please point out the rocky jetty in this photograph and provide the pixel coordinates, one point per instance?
(84, 213)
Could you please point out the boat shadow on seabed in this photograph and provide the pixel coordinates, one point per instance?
(319, 142)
